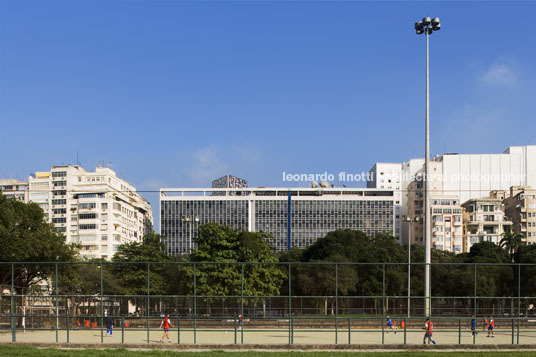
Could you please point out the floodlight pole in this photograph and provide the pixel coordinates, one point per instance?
(427, 220)
(427, 26)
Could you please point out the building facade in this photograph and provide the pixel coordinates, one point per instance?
(484, 220)
(520, 207)
(314, 213)
(96, 209)
(12, 188)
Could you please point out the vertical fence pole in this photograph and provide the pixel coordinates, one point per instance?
(195, 304)
(101, 305)
(123, 330)
(474, 291)
(513, 333)
(405, 330)
(178, 330)
(289, 306)
(148, 300)
(12, 309)
(349, 331)
(459, 331)
(57, 304)
(518, 299)
(383, 302)
(336, 303)
(242, 304)
(235, 330)
(67, 328)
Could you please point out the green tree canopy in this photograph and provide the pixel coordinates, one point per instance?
(25, 236)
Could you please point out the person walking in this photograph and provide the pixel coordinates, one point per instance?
(491, 326)
(428, 327)
(473, 326)
(390, 324)
(165, 324)
(109, 325)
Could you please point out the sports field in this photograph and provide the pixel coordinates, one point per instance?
(270, 337)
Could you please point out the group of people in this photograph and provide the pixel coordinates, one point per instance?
(488, 324)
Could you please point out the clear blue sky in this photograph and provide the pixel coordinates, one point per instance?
(176, 93)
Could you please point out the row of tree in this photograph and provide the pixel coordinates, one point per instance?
(26, 237)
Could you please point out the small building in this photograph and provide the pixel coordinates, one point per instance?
(520, 207)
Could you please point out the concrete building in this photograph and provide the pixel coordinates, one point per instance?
(484, 220)
(520, 207)
(446, 220)
(388, 176)
(314, 213)
(95, 209)
(472, 175)
(12, 188)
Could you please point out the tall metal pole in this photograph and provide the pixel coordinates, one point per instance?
(427, 221)
(409, 271)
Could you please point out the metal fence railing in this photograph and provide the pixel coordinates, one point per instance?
(313, 303)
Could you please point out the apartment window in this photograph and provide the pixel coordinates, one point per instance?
(59, 211)
(89, 195)
(87, 205)
(59, 202)
(59, 220)
(488, 208)
(117, 206)
(104, 206)
(87, 226)
(61, 229)
(59, 183)
(59, 193)
(104, 237)
(59, 174)
(88, 215)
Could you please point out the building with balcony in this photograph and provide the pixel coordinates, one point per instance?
(12, 188)
(520, 207)
(484, 220)
(96, 209)
(314, 213)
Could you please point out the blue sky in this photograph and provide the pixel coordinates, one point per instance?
(176, 93)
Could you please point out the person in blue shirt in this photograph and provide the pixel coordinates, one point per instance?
(473, 325)
(390, 324)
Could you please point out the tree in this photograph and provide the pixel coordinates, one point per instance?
(511, 241)
(26, 237)
(221, 244)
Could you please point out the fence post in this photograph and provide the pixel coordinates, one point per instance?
(459, 331)
(195, 303)
(178, 330)
(383, 302)
(57, 304)
(474, 291)
(518, 299)
(101, 304)
(242, 304)
(148, 300)
(235, 330)
(405, 329)
(123, 330)
(513, 333)
(289, 306)
(518, 331)
(349, 331)
(336, 303)
(12, 309)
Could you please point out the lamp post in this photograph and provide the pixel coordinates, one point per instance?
(427, 26)
(189, 220)
(409, 220)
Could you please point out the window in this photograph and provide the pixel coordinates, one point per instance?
(59, 193)
(117, 206)
(59, 220)
(59, 174)
(87, 226)
(88, 215)
(59, 211)
(59, 202)
(104, 237)
(87, 205)
(104, 206)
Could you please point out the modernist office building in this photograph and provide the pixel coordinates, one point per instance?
(314, 213)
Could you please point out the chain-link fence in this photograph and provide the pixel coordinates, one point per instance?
(268, 303)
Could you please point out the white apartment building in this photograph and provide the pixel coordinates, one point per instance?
(96, 209)
(472, 175)
(13, 188)
(388, 176)
(520, 207)
(484, 221)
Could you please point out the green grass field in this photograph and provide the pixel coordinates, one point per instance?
(32, 351)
